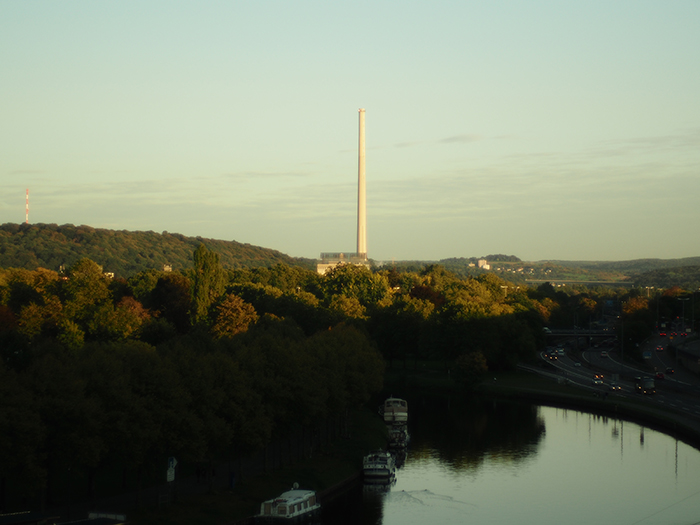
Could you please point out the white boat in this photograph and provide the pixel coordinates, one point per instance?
(395, 410)
(378, 465)
(293, 506)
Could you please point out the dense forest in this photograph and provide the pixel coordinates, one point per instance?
(122, 253)
(212, 361)
(687, 277)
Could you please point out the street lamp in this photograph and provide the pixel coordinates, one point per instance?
(683, 327)
(683, 299)
(622, 338)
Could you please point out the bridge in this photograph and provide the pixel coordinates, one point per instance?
(555, 282)
(580, 332)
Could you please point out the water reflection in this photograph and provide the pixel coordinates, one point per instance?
(507, 462)
(466, 432)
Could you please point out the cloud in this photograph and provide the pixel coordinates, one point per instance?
(685, 140)
(265, 175)
(460, 139)
(408, 144)
(26, 172)
(465, 138)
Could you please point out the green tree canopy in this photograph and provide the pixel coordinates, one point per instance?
(207, 283)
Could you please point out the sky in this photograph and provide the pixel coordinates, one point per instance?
(548, 130)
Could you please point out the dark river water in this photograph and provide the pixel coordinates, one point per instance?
(512, 463)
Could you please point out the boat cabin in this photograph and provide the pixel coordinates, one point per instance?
(395, 410)
(291, 505)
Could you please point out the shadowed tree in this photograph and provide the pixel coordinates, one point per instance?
(470, 369)
(171, 297)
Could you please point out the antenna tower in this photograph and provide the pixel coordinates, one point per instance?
(26, 209)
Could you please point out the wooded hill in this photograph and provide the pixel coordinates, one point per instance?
(687, 277)
(121, 252)
(660, 273)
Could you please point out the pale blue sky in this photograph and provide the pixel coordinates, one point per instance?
(542, 129)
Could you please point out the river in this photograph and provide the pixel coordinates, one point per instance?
(514, 463)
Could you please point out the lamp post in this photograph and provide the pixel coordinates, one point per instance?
(692, 321)
(622, 338)
(683, 299)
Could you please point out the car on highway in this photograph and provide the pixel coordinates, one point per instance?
(604, 353)
(670, 370)
(660, 348)
(660, 375)
(597, 381)
(615, 386)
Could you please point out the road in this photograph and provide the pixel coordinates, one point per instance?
(678, 391)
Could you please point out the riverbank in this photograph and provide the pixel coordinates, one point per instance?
(530, 386)
(341, 461)
(325, 472)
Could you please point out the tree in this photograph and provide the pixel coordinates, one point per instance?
(233, 316)
(171, 297)
(207, 285)
(22, 438)
(346, 307)
(471, 368)
(355, 282)
(84, 293)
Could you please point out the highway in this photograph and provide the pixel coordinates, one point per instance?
(679, 391)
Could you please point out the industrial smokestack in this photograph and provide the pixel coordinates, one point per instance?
(361, 198)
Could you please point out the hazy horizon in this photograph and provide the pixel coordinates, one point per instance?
(550, 131)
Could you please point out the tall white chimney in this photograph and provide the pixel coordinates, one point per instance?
(361, 197)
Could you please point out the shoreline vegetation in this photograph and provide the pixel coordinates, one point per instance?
(338, 466)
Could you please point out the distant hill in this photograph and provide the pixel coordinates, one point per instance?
(123, 252)
(630, 267)
(687, 277)
(659, 273)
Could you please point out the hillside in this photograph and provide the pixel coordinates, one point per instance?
(121, 252)
(631, 267)
(687, 277)
(659, 273)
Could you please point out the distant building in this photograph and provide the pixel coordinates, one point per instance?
(483, 264)
(331, 260)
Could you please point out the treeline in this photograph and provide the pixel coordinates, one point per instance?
(122, 253)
